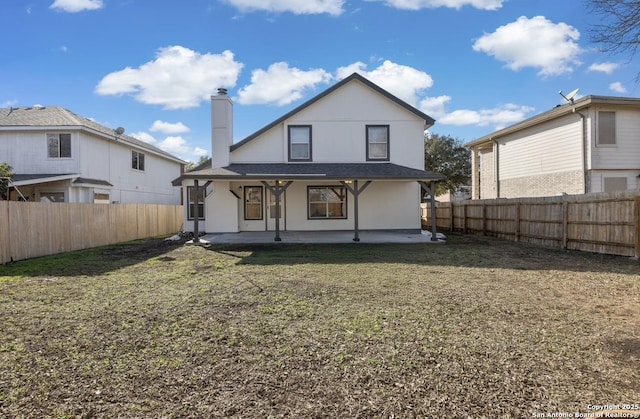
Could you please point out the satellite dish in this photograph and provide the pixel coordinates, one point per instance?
(569, 96)
(119, 130)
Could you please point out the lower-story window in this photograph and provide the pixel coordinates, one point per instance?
(326, 202)
(100, 198)
(52, 197)
(191, 197)
(253, 203)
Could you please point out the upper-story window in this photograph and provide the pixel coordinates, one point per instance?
(377, 142)
(58, 145)
(299, 142)
(137, 160)
(606, 128)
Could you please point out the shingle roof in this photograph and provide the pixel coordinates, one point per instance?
(311, 171)
(84, 180)
(56, 116)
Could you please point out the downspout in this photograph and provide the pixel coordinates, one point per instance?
(583, 145)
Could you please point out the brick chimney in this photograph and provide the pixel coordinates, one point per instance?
(221, 128)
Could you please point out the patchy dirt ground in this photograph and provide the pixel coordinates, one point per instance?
(474, 328)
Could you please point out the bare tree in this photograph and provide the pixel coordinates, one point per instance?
(618, 27)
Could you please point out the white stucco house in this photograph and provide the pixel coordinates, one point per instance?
(58, 156)
(588, 145)
(350, 158)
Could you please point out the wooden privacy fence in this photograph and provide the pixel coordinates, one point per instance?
(600, 223)
(32, 229)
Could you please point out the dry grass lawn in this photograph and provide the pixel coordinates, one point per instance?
(477, 327)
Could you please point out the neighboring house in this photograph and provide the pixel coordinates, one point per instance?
(589, 145)
(59, 156)
(352, 157)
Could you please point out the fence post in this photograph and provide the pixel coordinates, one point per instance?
(464, 218)
(484, 219)
(637, 222)
(517, 222)
(451, 216)
(565, 224)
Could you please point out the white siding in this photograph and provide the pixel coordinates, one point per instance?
(339, 130)
(398, 210)
(548, 148)
(625, 154)
(597, 178)
(94, 158)
(26, 152)
(487, 175)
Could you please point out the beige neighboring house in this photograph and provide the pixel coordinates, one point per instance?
(59, 156)
(586, 146)
(352, 157)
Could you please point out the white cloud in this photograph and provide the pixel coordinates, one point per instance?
(144, 136)
(298, 7)
(169, 128)
(74, 6)
(176, 145)
(434, 106)
(617, 87)
(400, 80)
(178, 78)
(606, 68)
(280, 85)
(499, 117)
(9, 103)
(535, 42)
(432, 4)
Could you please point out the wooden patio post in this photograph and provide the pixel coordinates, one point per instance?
(277, 194)
(277, 191)
(355, 192)
(434, 213)
(196, 213)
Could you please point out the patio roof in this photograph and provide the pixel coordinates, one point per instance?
(311, 171)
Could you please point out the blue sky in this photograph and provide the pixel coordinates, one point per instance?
(151, 66)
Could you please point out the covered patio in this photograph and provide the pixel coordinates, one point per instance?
(328, 237)
(277, 179)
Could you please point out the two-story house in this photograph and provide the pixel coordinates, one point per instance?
(352, 157)
(58, 156)
(589, 145)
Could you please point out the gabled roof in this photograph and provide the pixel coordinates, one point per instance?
(310, 171)
(49, 117)
(557, 112)
(355, 76)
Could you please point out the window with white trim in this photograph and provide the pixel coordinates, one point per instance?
(137, 160)
(606, 128)
(58, 146)
(253, 202)
(299, 142)
(327, 202)
(52, 197)
(377, 142)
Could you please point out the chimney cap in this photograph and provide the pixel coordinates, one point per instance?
(222, 91)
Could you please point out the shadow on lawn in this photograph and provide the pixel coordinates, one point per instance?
(89, 262)
(460, 250)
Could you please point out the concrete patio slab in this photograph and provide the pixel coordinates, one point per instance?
(267, 237)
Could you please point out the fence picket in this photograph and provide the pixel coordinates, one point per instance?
(33, 229)
(600, 223)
